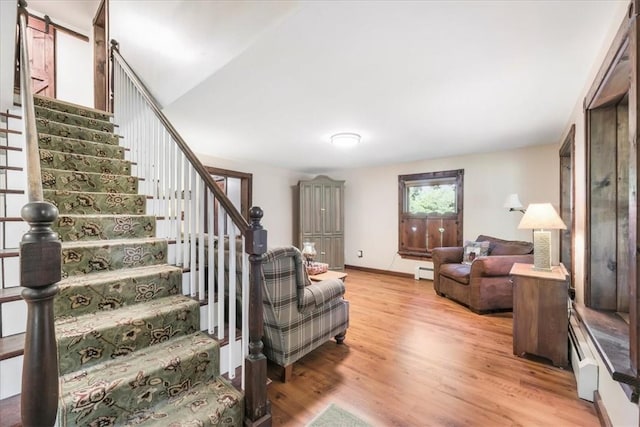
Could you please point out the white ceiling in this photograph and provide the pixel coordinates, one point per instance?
(270, 81)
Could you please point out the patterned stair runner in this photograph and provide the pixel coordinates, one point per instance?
(129, 344)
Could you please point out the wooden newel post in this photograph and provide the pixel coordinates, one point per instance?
(257, 405)
(40, 270)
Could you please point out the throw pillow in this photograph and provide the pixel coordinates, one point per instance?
(472, 250)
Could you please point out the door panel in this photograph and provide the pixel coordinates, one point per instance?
(41, 40)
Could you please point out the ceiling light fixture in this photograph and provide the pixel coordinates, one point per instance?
(345, 139)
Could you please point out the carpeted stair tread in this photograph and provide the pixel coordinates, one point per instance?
(97, 337)
(85, 163)
(72, 227)
(93, 256)
(75, 202)
(69, 107)
(54, 128)
(59, 179)
(78, 146)
(215, 403)
(211, 403)
(109, 290)
(73, 119)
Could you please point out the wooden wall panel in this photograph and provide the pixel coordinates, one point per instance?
(622, 257)
(414, 235)
(602, 220)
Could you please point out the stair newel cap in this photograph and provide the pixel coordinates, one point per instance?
(256, 236)
(40, 216)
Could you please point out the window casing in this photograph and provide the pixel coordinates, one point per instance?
(429, 212)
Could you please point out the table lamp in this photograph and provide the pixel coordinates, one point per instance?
(541, 217)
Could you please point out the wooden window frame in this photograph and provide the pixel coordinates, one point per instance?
(405, 218)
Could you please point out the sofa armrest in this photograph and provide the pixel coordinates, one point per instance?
(446, 255)
(497, 265)
(319, 293)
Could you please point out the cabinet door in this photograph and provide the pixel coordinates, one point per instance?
(310, 213)
(332, 209)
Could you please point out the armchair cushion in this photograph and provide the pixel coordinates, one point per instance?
(506, 247)
(319, 293)
(457, 272)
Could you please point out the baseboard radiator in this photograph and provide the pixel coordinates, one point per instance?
(424, 272)
(584, 364)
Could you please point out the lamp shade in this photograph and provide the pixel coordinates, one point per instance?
(540, 216)
(513, 202)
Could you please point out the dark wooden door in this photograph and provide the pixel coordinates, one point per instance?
(42, 51)
(101, 58)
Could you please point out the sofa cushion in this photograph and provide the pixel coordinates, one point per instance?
(457, 272)
(506, 247)
(472, 250)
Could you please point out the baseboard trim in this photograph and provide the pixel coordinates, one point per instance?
(601, 410)
(378, 271)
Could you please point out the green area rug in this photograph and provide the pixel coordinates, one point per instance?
(336, 416)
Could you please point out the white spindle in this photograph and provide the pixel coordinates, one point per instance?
(245, 307)
(222, 285)
(232, 298)
(201, 241)
(193, 190)
(186, 206)
(179, 208)
(211, 267)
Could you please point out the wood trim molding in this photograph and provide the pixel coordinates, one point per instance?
(601, 410)
(608, 64)
(377, 271)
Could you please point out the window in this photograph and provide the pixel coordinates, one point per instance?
(430, 212)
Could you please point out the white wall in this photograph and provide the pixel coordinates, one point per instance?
(74, 73)
(371, 200)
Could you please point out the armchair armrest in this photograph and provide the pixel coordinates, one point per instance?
(497, 265)
(319, 293)
(446, 255)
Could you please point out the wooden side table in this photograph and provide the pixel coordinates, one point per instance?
(329, 275)
(540, 313)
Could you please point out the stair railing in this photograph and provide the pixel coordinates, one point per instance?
(213, 242)
(40, 267)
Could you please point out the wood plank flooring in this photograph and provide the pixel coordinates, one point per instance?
(412, 358)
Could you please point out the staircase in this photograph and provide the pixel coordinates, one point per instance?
(130, 349)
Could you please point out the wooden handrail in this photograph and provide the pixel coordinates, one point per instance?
(34, 183)
(231, 210)
(40, 267)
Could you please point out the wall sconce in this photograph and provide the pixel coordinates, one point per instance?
(541, 217)
(513, 203)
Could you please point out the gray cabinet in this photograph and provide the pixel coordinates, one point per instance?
(321, 219)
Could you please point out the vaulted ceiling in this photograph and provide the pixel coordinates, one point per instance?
(271, 81)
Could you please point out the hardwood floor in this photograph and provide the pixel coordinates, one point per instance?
(412, 358)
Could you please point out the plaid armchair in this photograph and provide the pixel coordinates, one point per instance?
(299, 316)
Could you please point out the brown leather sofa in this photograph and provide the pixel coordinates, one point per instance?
(484, 285)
